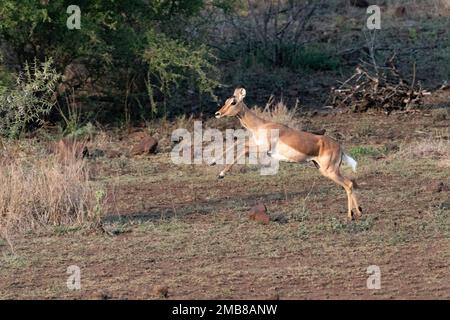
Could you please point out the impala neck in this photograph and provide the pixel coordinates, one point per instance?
(249, 120)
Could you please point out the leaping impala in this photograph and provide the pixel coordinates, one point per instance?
(292, 145)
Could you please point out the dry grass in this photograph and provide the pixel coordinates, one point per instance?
(41, 191)
(432, 148)
(278, 112)
(274, 111)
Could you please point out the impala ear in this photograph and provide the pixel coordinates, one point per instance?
(239, 94)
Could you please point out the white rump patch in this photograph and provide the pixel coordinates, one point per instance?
(349, 161)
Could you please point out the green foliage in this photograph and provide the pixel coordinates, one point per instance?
(360, 152)
(30, 100)
(337, 226)
(315, 58)
(172, 62)
(292, 56)
(114, 43)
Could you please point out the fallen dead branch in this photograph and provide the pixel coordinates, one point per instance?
(380, 88)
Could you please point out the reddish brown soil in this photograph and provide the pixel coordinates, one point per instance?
(181, 228)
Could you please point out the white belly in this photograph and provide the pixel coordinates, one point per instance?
(283, 152)
(279, 151)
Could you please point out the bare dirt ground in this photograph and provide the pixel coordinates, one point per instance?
(180, 227)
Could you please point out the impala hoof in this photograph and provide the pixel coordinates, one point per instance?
(213, 163)
(350, 217)
(356, 215)
(220, 176)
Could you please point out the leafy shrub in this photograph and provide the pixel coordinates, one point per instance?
(114, 46)
(315, 58)
(172, 62)
(292, 56)
(30, 100)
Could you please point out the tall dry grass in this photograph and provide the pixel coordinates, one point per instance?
(41, 191)
(278, 112)
(435, 148)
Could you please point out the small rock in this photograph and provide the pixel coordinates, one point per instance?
(319, 132)
(259, 208)
(262, 218)
(444, 206)
(161, 291)
(147, 145)
(279, 217)
(243, 170)
(97, 153)
(258, 213)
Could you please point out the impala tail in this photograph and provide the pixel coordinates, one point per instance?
(349, 161)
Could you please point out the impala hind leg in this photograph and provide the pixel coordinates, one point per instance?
(356, 205)
(347, 184)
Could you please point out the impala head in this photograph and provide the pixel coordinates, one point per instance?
(232, 105)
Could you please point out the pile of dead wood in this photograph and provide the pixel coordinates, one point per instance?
(380, 88)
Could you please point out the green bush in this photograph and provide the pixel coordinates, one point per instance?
(172, 62)
(115, 45)
(292, 56)
(30, 100)
(315, 58)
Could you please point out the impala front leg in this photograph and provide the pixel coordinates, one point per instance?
(213, 162)
(228, 167)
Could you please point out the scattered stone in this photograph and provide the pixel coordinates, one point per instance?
(444, 206)
(259, 208)
(258, 213)
(262, 218)
(243, 169)
(147, 145)
(161, 291)
(319, 132)
(279, 217)
(97, 153)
